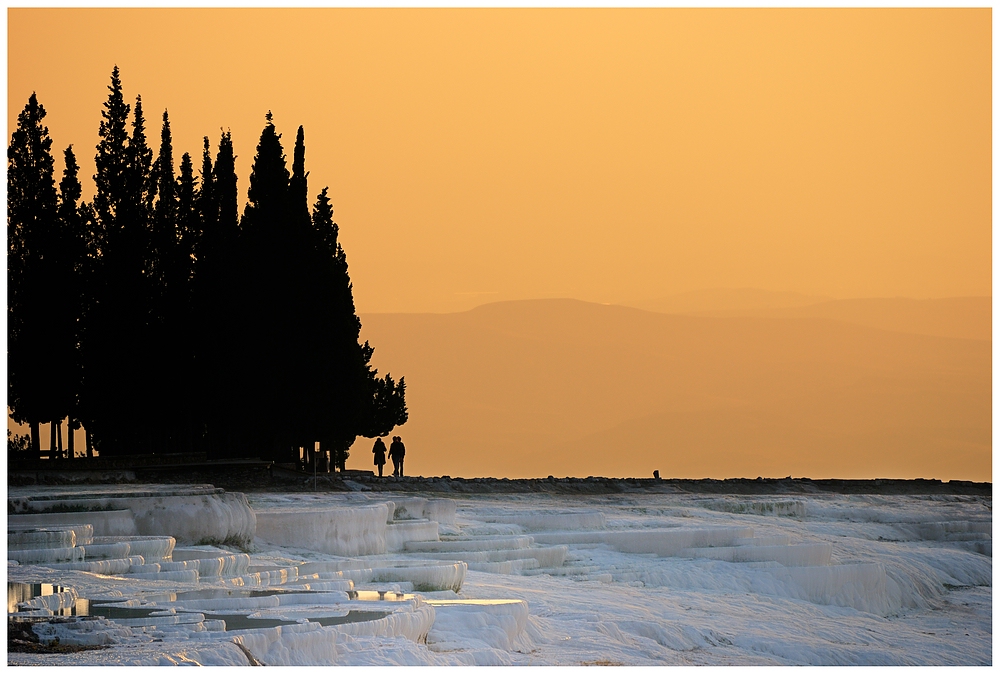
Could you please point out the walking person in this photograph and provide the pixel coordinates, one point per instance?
(379, 451)
(396, 452)
(393, 457)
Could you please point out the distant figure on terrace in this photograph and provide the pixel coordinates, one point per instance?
(379, 451)
(396, 452)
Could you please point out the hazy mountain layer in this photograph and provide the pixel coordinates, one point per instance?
(963, 317)
(726, 299)
(570, 388)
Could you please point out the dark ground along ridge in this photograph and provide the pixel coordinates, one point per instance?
(259, 476)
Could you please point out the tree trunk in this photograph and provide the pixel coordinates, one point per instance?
(36, 440)
(90, 446)
(59, 440)
(70, 444)
(53, 452)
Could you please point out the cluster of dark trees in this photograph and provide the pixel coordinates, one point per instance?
(161, 321)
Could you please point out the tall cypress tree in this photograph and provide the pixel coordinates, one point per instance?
(298, 189)
(217, 202)
(140, 185)
(117, 353)
(105, 320)
(303, 316)
(188, 420)
(32, 226)
(168, 287)
(262, 373)
(217, 291)
(105, 268)
(70, 271)
(269, 177)
(357, 401)
(188, 225)
(226, 190)
(111, 159)
(164, 221)
(157, 258)
(206, 205)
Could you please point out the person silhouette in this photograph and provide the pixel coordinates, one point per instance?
(379, 451)
(396, 452)
(400, 452)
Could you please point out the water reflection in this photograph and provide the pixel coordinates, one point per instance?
(22, 592)
(471, 602)
(378, 595)
(351, 617)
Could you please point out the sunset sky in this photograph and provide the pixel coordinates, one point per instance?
(615, 157)
(605, 155)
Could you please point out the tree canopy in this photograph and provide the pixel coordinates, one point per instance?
(162, 321)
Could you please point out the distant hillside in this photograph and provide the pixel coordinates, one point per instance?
(726, 299)
(564, 387)
(963, 317)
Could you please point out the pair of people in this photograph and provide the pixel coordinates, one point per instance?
(396, 453)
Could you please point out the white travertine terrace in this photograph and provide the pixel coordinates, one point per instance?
(214, 578)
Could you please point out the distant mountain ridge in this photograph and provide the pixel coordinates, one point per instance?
(963, 317)
(564, 387)
(726, 299)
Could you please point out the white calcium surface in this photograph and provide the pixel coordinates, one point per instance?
(548, 580)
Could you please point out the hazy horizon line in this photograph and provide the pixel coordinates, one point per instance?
(630, 303)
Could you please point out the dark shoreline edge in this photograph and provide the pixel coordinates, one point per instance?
(254, 477)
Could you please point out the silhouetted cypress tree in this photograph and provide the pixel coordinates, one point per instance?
(138, 244)
(188, 341)
(127, 283)
(226, 192)
(90, 284)
(105, 267)
(71, 291)
(262, 374)
(268, 184)
(188, 226)
(206, 193)
(298, 189)
(206, 204)
(304, 308)
(168, 294)
(322, 220)
(32, 226)
(388, 406)
(111, 159)
(217, 287)
(342, 366)
(187, 427)
(117, 353)
(357, 402)
(208, 241)
(164, 225)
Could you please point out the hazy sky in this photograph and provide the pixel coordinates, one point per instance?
(606, 155)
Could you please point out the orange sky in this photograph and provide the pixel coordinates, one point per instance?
(605, 155)
(611, 156)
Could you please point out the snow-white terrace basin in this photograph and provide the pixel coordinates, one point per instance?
(646, 579)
